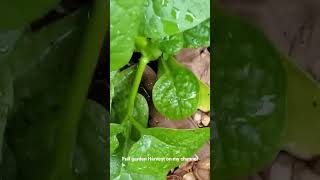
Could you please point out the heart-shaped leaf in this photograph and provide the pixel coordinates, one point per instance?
(125, 17)
(250, 99)
(176, 94)
(168, 17)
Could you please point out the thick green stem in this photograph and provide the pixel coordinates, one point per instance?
(143, 61)
(142, 65)
(75, 96)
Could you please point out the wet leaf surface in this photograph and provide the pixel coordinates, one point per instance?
(176, 93)
(249, 101)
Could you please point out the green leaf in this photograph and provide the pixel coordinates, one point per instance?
(122, 82)
(249, 100)
(126, 17)
(115, 165)
(176, 93)
(115, 129)
(19, 13)
(140, 114)
(112, 75)
(198, 36)
(165, 17)
(165, 143)
(161, 143)
(135, 176)
(92, 143)
(303, 100)
(171, 44)
(204, 103)
(111, 92)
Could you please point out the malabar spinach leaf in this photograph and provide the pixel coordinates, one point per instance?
(122, 85)
(126, 17)
(249, 99)
(159, 143)
(164, 17)
(122, 82)
(176, 93)
(115, 165)
(115, 129)
(112, 75)
(140, 114)
(198, 36)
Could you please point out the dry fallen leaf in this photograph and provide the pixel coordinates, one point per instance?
(202, 169)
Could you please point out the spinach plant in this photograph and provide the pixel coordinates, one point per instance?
(48, 128)
(263, 102)
(157, 29)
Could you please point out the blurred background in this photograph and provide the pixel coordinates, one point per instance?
(294, 28)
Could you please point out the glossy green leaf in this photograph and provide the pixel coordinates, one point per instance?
(19, 13)
(168, 136)
(115, 129)
(249, 99)
(136, 176)
(176, 93)
(198, 36)
(165, 143)
(140, 114)
(303, 100)
(125, 17)
(111, 92)
(164, 17)
(111, 87)
(122, 82)
(122, 86)
(124, 175)
(115, 165)
(158, 143)
(171, 44)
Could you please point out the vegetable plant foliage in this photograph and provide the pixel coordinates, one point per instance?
(48, 128)
(157, 29)
(263, 103)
